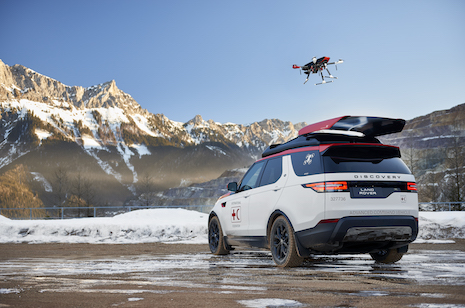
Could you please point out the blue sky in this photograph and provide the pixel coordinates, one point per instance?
(231, 61)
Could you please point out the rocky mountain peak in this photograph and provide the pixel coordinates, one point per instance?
(111, 86)
(19, 82)
(106, 95)
(6, 78)
(197, 120)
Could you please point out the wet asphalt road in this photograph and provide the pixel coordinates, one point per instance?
(158, 275)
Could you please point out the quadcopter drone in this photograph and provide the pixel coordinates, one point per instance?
(317, 65)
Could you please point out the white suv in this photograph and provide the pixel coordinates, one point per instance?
(334, 189)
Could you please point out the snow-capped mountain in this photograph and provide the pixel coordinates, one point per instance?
(102, 132)
(69, 138)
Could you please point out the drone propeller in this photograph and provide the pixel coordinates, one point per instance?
(295, 66)
(336, 63)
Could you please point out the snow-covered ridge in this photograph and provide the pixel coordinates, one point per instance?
(21, 85)
(174, 226)
(64, 117)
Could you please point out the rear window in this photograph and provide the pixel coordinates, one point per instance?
(364, 158)
(361, 152)
(389, 165)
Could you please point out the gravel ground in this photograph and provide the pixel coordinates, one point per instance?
(187, 275)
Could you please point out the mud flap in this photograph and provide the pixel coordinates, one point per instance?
(226, 245)
(301, 250)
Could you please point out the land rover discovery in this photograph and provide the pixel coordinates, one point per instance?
(334, 189)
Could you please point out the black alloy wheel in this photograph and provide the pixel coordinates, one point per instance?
(215, 237)
(282, 243)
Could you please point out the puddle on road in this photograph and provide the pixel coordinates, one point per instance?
(238, 272)
(423, 267)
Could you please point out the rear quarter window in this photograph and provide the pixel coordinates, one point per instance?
(272, 171)
(306, 163)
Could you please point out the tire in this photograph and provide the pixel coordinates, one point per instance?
(216, 238)
(387, 256)
(282, 244)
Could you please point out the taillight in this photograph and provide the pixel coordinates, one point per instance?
(318, 187)
(411, 186)
(336, 186)
(328, 186)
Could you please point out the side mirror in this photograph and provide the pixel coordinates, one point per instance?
(232, 186)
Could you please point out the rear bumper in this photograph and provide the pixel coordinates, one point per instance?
(359, 234)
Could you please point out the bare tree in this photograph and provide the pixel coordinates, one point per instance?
(145, 189)
(89, 192)
(411, 158)
(60, 185)
(455, 169)
(83, 193)
(431, 189)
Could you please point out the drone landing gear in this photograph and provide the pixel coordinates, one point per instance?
(323, 82)
(330, 76)
(308, 75)
(323, 78)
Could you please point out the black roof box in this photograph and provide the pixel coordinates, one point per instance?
(369, 126)
(348, 129)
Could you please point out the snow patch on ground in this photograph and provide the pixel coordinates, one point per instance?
(141, 149)
(441, 225)
(438, 137)
(142, 124)
(90, 142)
(174, 226)
(216, 149)
(269, 302)
(142, 226)
(40, 178)
(104, 165)
(9, 291)
(126, 154)
(438, 306)
(42, 134)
